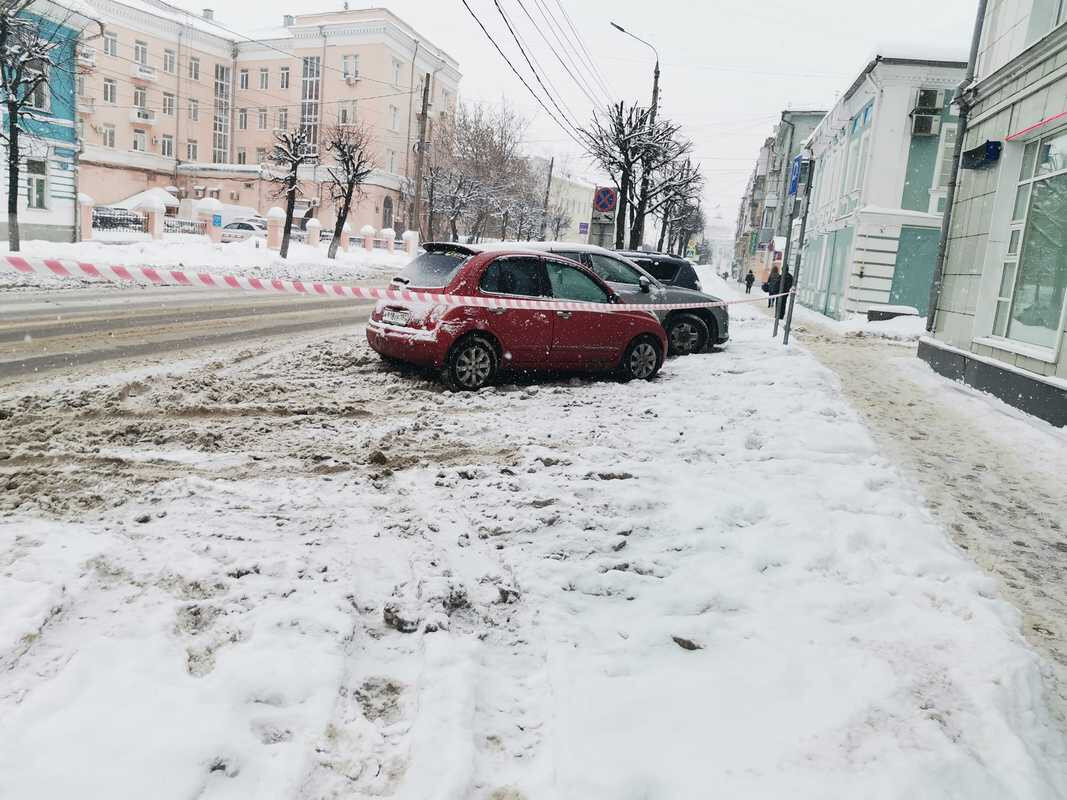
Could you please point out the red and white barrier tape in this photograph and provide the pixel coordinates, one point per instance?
(158, 276)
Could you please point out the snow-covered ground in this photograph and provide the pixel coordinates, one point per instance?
(298, 574)
(250, 257)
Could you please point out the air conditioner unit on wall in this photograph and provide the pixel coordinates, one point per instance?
(928, 100)
(925, 125)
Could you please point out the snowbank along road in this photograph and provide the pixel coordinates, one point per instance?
(293, 573)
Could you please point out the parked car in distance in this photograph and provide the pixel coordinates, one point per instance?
(471, 344)
(667, 269)
(688, 330)
(242, 229)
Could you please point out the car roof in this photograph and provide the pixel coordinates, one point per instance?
(649, 254)
(542, 247)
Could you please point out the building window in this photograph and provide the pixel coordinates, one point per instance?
(140, 52)
(194, 68)
(242, 156)
(396, 72)
(192, 152)
(140, 97)
(168, 104)
(394, 118)
(261, 155)
(346, 112)
(109, 90)
(1033, 280)
(194, 109)
(943, 173)
(41, 93)
(387, 213)
(167, 146)
(310, 94)
(391, 155)
(220, 120)
(37, 183)
(264, 78)
(107, 136)
(170, 61)
(111, 44)
(242, 79)
(350, 65)
(242, 119)
(140, 140)
(283, 78)
(283, 119)
(261, 119)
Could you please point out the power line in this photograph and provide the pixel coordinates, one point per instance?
(540, 29)
(553, 26)
(597, 74)
(519, 75)
(536, 75)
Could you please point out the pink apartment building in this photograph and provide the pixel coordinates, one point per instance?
(176, 100)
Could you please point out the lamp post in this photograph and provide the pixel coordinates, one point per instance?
(638, 234)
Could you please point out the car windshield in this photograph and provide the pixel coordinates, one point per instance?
(434, 269)
(612, 269)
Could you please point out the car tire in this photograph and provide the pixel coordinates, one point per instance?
(471, 365)
(686, 334)
(642, 359)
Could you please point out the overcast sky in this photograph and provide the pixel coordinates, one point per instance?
(729, 67)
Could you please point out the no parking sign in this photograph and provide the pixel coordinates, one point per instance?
(605, 201)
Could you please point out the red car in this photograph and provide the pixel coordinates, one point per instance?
(470, 344)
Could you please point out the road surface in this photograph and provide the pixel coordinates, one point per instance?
(47, 331)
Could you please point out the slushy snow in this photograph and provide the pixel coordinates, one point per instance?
(295, 573)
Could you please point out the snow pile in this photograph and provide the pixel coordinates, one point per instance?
(299, 574)
(248, 257)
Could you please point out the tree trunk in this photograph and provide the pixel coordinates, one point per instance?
(290, 205)
(504, 227)
(13, 179)
(620, 214)
(455, 231)
(663, 227)
(430, 192)
(339, 223)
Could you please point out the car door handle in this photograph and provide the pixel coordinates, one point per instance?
(497, 311)
(564, 314)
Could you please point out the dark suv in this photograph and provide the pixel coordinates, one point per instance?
(669, 270)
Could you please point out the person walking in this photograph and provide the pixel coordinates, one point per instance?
(749, 280)
(772, 284)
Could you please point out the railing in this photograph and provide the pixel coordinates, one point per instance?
(119, 220)
(191, 226)
(143, 72)
(143, 116)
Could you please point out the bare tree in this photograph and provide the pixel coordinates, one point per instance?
(292, 149)
(350, 147)
(559, 218)
(677, 186)
(32, 50)
(616, 141)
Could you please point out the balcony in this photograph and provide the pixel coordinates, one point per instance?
(86, 105)
(143, 116)
(86, 57)
(142, 72)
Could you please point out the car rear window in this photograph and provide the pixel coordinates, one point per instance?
(661, 270)
(434, 269)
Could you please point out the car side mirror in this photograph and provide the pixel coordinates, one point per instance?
(646, 284)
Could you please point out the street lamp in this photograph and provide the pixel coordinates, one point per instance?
(639, 231)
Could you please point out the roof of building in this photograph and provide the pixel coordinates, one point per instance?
(896, 61)
(147, 196)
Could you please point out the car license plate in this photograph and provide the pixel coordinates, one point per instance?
(392, 316)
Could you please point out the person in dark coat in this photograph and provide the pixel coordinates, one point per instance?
(772, 284)
(749, 280)
(786, 283)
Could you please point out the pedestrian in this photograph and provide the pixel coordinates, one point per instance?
(749, 280)
(786, 283)
(772, 284)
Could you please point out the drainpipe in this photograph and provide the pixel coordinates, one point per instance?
(178, 107)
(231, 149)
(965, 105)
(411, 99)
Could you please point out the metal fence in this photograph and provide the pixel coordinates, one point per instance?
(119, 220)
(175, 225)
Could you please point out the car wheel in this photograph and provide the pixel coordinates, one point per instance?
(642, 360)
(471, 365)
(687, 333)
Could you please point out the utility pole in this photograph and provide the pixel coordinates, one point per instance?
(791, 298)
(421, 156)
(548, 190)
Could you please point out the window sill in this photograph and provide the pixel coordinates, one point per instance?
(1046, 354)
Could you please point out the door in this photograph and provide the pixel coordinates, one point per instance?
(582, 339)
(916, 257)
(525, 336)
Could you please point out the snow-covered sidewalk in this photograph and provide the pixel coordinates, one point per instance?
(300, 575)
